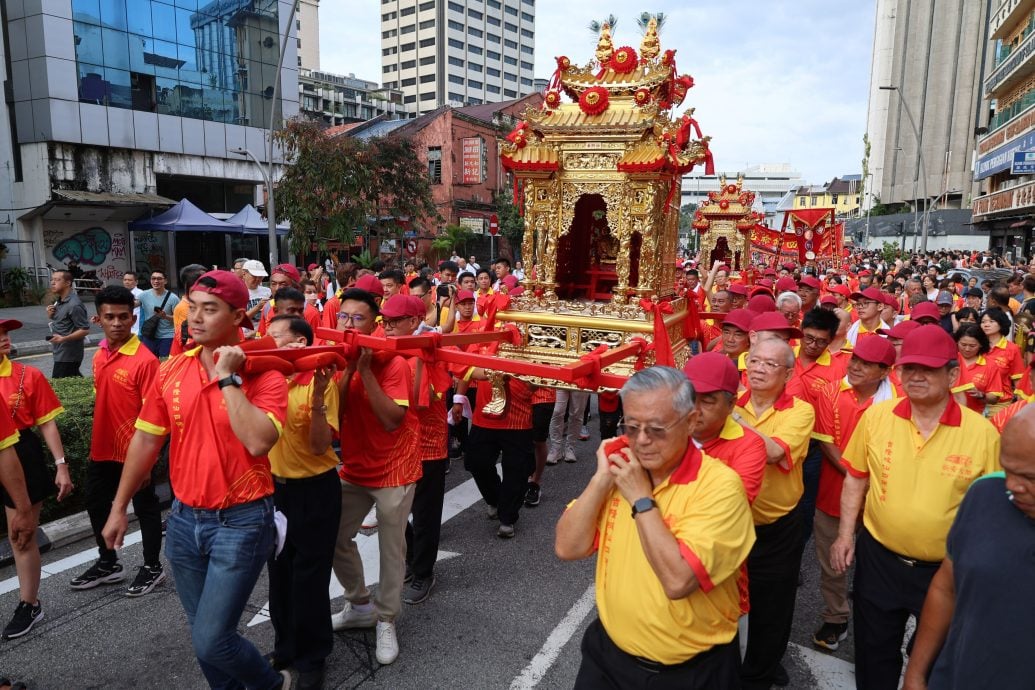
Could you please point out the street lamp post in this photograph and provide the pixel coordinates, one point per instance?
(920, 155)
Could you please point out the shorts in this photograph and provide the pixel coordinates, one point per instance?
(39, 481)
(541, 414)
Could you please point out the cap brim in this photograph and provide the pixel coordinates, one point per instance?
(264, 274)
(924, 361)
(10, 324)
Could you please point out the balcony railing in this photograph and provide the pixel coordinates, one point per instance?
(1012, 61)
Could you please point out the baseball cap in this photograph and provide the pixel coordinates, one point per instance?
(774, 321)
(464, 295)
(769, 272)
(712, 371)
(371, 284)
(288, 270)
(925, 310)
(890, 299)
(899, 330)
(224, 285)
(786, 284)
(311, 267)
(973, 292)
(11, 324)
(870, 293)
(876, 350)
(809, 281)
(944, 297)
(865, 272)
(928, 346)
(255, 268)
(842, 290)
(828, 299)
(788, 266)
(740, 318)
(737, 289)
(399, 306)
(761, 303)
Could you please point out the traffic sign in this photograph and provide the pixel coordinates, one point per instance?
(494, 224)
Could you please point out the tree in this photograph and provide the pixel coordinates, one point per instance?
(453, 238)
(686, 217)
(399, 185)
(512, 225)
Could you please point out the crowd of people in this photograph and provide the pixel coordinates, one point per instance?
(849, 407)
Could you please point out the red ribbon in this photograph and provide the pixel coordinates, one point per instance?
(692, 324)
(494, 303)
(645, 349)
(592, 380)
(662, 344)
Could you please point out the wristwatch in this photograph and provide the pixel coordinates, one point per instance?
(642, 505)
(231, 380)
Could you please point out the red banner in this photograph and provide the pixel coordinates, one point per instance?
(471, 160)
(814, 229)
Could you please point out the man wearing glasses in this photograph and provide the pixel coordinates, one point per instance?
(868, 305)
(785, 424)
(670, 527)
(380, 465)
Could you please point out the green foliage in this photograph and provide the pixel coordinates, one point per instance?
(890, 251)
(336, 184)
(686, 217)
(880, 209)
(452, 239)
(364, 259)
(512, 225)
(16, 281)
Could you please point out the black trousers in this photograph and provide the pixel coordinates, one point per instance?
(810, 476)
(609, 423)
(459, 431)
(425, 530)
(64, 370)
(772, 586)
(300, 605)
(886, 591)
(483, 447)
(102, 482)
(605, 665)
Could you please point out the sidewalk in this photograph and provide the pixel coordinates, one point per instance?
(30, 339)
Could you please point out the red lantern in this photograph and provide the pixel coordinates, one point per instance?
(642, 96)
(731, 189)
(563, 63)
(552, 98)
(623, 60)
(724, 204)
(594, 100)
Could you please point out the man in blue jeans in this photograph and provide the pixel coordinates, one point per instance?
(220, 530)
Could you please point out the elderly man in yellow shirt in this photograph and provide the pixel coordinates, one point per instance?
(912, 461)
(670, 527)
(785, 424)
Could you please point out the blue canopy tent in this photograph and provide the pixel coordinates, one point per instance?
(253, 222)
(185, 217)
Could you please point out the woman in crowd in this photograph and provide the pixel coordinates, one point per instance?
(976, 368)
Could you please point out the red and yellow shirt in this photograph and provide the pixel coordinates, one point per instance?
(290, 457)
(985, 377)
(372, 456)
(789, 424)
(1007, 356)
(518, 413)
(121, 379)
(916, 485)
(8, 431)
(810, 379)
(704, 506)
(209, 467)
(743, 451)
(434, 430)
(28, 395)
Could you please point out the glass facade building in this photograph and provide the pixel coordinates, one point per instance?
(213, 60)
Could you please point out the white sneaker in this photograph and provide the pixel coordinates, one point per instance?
(387, 644)
(569, 455)
(584, 433)
(370, 521)
(551, 458)
(354, 616)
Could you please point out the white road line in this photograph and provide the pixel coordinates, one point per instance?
(830, 672)
(551, 649)
(456, 501)
(67, 563)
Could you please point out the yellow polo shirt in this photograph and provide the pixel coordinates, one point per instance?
(789, 423)
(704, 505)
(290, 457)
(917, 485)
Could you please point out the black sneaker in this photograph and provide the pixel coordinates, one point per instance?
(148, 577)
(533, 494)
(830, 635)
(25, 616)
(100, 573)
(419, 590)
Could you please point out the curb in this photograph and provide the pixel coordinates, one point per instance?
(41, 347)
(73, 528)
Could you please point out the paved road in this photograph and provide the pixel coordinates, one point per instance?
(503, 613)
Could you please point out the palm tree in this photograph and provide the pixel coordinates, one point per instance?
(596, 26)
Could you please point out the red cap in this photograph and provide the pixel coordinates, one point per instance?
(841, 290)
(865, 272)
(810, 281)
(288, 270)
(828, 299)
(8, 325)
(311, 267)
(928, 346)
(740, 318)
(769, 272)
(875, 349)
(761, 303)
(890, 300)
(228, 287)
(774, 321)
(899, 330)
(371, 284)
(788, 266)
(925, 310)
(737, 289)
(712, 371)
(398, 306)
(786, 284)
(871, 293)
(464, 295)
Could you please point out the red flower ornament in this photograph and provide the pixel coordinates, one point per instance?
(623, 60)
(594, 100)
(552, 98)
(642, 96)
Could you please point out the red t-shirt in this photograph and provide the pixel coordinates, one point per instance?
(311, 315)
(8, 432)
(518, 412)
(208, 466)
(371, 456)
(986, 377)
(809, 380)
(743, 450)
(121, 379)
(546, 395)
(434, 430)
(29, 397)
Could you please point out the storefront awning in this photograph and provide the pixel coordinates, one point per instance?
(68, 204)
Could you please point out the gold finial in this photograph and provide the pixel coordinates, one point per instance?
(604, 45)
(650, 47)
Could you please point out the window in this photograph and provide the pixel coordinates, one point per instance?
(407, 11)
(474, 50)
(430, 96)
(509, 60)
(494, 4)
(389, 68)
(453, 43)
(492, 71)
(427, 42)
(526, 82)
(527, 65)
(455, 97)
(474, 101)
(456, 79)
(427, 78)
(492, 89)
(510, 27)
(407, 47)
(429, 60)
(389, 51)
(456, 26)
(833, 199)
(412, 81)
(527, 50)
(427, 5)
(427, 24)
(527, 34)
(391, 33)
(456, 7)
(409, 99)
(527, 17)
(477, 33)
(492, 55)
(408, 29)
(408, 64)
(509, 43)
(471, 83)
(509, 77)
(509, 94)
(474, 14)
(455, 61)
(387, 16)
(511, 10)
(474, 67)
(492, 21)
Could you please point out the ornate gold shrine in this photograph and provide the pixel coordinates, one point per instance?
(598, 180)
(725, 221)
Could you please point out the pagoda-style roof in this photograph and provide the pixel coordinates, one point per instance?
(533, 157)
(568, 116)
(646, 156)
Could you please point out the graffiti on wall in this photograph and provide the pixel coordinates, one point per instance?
(97, 250)
(150, 251)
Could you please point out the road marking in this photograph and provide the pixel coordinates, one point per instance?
(829, 672)
(456, 501)
(551, 649)
(67, 563)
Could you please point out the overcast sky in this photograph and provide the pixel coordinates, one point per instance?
(777, 81)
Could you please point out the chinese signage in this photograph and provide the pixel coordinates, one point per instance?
(472, 155)
(1023, 163)
(475, 225)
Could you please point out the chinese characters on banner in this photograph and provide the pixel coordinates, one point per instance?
(471, 160)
